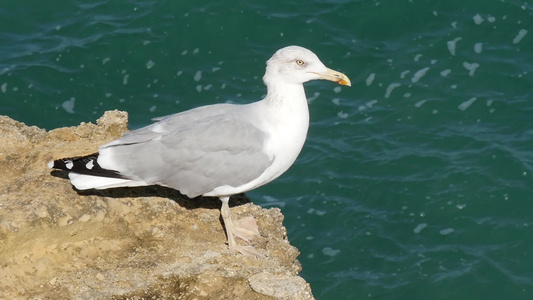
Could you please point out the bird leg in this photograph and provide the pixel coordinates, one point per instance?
(245, 229)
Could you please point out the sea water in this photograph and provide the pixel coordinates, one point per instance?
(415, 183)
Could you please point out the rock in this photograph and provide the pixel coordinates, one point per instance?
(129, 243)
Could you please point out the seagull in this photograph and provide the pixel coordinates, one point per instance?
(216, 150)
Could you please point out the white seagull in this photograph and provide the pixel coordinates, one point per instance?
(215, 150)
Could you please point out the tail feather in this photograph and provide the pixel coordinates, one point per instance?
(86, 182)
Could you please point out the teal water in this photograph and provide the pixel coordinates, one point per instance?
(415, 183)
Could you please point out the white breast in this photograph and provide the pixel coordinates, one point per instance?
(287, 123)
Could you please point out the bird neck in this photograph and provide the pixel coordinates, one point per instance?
(287, 97)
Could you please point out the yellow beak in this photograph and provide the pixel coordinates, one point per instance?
(335, 76)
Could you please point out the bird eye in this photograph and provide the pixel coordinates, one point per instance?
(300, 62)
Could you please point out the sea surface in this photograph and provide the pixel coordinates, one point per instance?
(415, 183)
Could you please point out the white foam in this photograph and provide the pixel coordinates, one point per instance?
(342, 115)
(419, 74)
(478, 19)
(521, 34)
(445, 72)
(446, 231)
(404, 73)
(90, 165)
(478, 47)
(328, 251)
(125, 79)
(314, 97)
(274, 201)
(198, 76)
(371, 103)
(150, 64)
(419, 227)
(471, 67)
(4, 87)
(391, 88)
(420, 103)
(370, 79)
(68, 105)
(465, 105)
(270, 198)
(452, 45)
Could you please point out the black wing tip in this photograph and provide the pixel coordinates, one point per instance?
(87, 165)
(63, 163)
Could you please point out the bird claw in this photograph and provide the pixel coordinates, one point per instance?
(248, 251)
(246, 228)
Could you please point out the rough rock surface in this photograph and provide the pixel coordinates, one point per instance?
(130, 243)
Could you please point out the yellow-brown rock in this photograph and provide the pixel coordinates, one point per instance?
(130, 243)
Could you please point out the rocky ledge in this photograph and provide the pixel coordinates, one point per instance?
(130, 243)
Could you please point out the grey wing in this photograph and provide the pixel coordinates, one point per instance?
(195, 157)
(175, 122)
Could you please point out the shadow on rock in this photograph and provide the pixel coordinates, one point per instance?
(158, 191)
